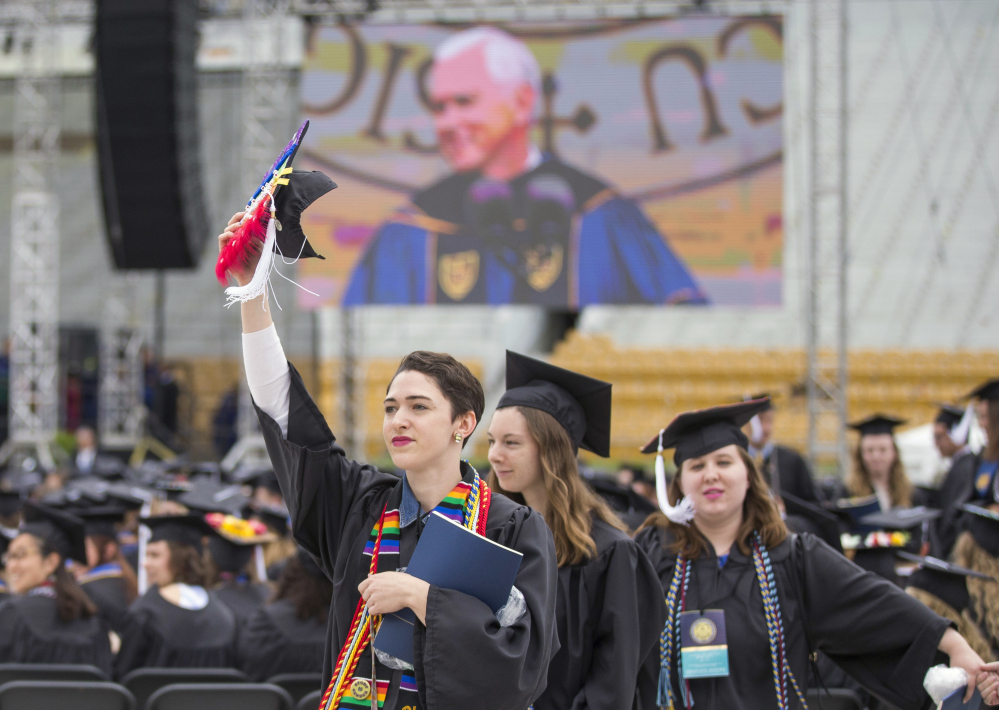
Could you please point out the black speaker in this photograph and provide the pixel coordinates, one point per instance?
(147, 129)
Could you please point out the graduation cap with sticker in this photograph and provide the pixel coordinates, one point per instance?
(272, 222)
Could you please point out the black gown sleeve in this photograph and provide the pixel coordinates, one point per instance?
(138, 640)
(632, 614)
(510, 665)
(320, 485)
(885, 639)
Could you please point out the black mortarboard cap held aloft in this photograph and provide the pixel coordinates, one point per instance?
(987, 390)
(581, 404)
(700, 432)
(304, 187)
(62, 531)
(183, 529)
(877, 424)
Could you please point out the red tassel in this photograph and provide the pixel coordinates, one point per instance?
(246, 243)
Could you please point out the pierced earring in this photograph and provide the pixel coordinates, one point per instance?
(457, 437)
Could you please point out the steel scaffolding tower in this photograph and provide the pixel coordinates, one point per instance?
(265, 113)
(34, 261)
(826, 324)
(120, 407)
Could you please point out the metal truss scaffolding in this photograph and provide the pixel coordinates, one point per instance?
(265, 108)
(826, 294)
(34, 260)
(120, 405)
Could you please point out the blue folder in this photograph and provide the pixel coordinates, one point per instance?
(451, 556)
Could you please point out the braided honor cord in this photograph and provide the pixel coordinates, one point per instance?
(670, 635)
(775, 624)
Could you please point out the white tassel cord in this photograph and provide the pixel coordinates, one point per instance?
(261, 275)
(683, 512)
(959, 434)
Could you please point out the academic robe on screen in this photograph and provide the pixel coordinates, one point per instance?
(880, 636)
(31, 632)
(552, 236)
(162, 635)
(463, 658)
(609, 609)
(275, 641)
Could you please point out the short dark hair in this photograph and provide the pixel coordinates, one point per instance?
(456, 382)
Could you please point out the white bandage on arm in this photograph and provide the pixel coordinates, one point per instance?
(267, 374)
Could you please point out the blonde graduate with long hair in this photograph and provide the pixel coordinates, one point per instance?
(609, 602)
(731, 570)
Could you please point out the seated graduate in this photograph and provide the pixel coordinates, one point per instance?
(176, 624)
(783, 468)
(234, 578)
(362, 526)
(877, 466)
(50, 620)
(289, 634)
(610, 602)
(732, 572)
(971, 478)
(943, 587)
(109, 581)
(977, 548)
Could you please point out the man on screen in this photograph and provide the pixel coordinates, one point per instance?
(511, 225)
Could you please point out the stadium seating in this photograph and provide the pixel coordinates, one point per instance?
(144, 682)
(310, 701)
(79, 695)
(49, 671)
(298, 685)
(220, 696)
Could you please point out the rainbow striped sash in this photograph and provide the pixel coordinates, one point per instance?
(468, 504)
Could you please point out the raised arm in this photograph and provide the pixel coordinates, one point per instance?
(321, 487)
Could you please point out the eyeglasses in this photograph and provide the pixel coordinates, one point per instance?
(8, 557)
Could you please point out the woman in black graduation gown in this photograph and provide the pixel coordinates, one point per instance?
(720, 545)
(877, 465)
(356, 520)
(50, 620)
(289, 634)
(610, 601)
(109, 581)
(977, 548)
(176, 624)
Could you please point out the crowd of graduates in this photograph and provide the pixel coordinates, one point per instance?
(182, 565)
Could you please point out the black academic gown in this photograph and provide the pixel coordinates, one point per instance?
(607, 614)
(785, 470)
(31, 632)
(243, 600)
(463, 658)
(275, 641)
(958, 488)
(162, 635)
(883, 638)
(106, 590)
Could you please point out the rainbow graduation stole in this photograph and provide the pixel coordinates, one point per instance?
(467, 504)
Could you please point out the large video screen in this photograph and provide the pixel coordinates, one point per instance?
(557, 164)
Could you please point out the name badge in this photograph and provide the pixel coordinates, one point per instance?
(703, 645)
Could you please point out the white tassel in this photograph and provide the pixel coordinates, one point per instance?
(261, 275)
(756, 430)
(959, 434)
(683, 512)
